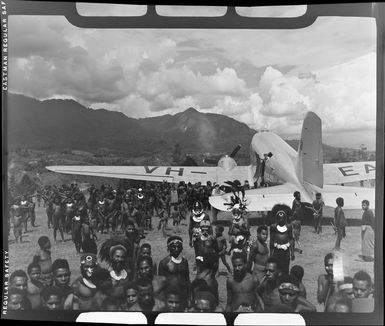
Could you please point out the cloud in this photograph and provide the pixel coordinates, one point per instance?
(265, 78)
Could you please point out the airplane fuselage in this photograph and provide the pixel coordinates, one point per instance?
(282, 165)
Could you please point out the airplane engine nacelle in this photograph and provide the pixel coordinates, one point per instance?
(227, 163)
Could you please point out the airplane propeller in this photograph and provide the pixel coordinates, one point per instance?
(235, 150)
(214, 161)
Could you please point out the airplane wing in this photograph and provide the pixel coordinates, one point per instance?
(263, 199)
(337, 173)
(260, 199)
(353, 196)
(173, 174)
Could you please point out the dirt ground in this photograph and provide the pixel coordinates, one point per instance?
(314, 246)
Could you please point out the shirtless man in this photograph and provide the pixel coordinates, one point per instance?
(296, 206)
(259, 253)
(144, 272)
(112, 210)
(58, 218)
(34, 287)
(146, 298)
(62, 276)
(268, 290)
(242, 287)
(118, 271)
(288, 287)
(222, 246)
(326, 283)
(83, 288)
(43, 258)
(17, 221)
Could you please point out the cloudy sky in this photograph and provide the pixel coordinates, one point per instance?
(265, 78)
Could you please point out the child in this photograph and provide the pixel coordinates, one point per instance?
(131, 292)
(298, 272)
(222, 246)
(326, 285)
(19, 282)
(52, 298)
(43, 258)
(34, 287)
(175, 300)
(16, 299)
(363, 293)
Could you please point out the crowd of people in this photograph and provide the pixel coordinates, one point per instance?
(122, 275)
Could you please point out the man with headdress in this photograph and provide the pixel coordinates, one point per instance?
(117, 253)
(197, 216)
(175, 267)
(281, 237)
(239, 231)
(83, 287)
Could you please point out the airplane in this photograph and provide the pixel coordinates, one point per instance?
(285, 168)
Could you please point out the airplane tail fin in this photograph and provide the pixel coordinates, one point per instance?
(310, 153)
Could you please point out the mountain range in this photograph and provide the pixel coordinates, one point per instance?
(58, 124)
(62, 124)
